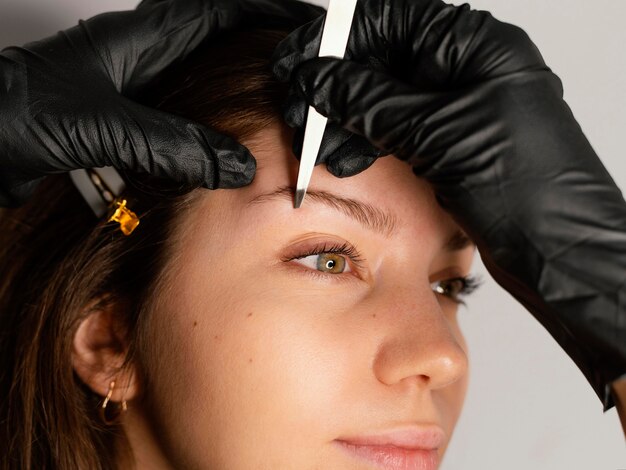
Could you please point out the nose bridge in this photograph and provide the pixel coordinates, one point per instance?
(418, 342)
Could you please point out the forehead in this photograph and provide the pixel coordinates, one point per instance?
(396, 199)
(388, 186)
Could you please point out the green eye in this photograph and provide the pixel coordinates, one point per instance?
(330, 263)
(326, 258)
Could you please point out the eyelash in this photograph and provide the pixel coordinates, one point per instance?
(469, 283)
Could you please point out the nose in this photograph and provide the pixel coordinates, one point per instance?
(418, 342)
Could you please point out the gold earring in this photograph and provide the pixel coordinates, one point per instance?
(117, 412)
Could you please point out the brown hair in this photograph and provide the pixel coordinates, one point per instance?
(56, 259)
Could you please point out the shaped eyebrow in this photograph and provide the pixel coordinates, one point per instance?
(367, 215)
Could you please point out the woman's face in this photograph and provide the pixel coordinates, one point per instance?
(261, 360)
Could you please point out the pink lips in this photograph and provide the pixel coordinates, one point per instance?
(402, 449)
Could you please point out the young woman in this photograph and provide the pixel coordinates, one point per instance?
(465, 99)
(228, 331)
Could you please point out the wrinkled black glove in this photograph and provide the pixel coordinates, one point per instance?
(66, 101)
(468, 101)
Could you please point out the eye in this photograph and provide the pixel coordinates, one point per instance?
(324, 259)
(331, 263)
(457, 287)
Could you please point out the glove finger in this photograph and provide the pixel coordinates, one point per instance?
(304, 43)
(374, 37)
(426, 43)
(147, 140)
(355, 155)
(334, 137)
(344, 153)
(421, 128)
(365, 102)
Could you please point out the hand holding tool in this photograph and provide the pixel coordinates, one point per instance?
(469, 102)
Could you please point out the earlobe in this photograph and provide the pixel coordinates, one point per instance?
(99, 349)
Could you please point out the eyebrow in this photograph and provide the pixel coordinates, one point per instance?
(367, 215)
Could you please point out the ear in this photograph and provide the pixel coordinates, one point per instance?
(99, 349)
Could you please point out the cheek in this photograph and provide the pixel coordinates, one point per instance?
(236, 365)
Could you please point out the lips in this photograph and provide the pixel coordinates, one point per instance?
(410, 448)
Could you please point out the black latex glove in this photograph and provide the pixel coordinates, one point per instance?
(65, 101)
(470, 103)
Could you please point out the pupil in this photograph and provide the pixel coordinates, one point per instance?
(331, 263)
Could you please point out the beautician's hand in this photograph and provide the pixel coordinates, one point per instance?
(66, 101)
(469, 102)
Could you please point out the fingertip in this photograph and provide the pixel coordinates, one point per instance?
(355, 155)
(236, 168)
(343, 168)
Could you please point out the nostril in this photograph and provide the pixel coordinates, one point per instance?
(431, 359)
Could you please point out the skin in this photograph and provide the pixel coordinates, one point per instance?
(254, 363)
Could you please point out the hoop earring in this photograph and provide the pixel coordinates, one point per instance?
(117, 411)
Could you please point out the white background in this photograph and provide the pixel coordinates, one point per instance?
(528, 406)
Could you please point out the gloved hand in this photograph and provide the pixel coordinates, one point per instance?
(468, 101)
(66, 101)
